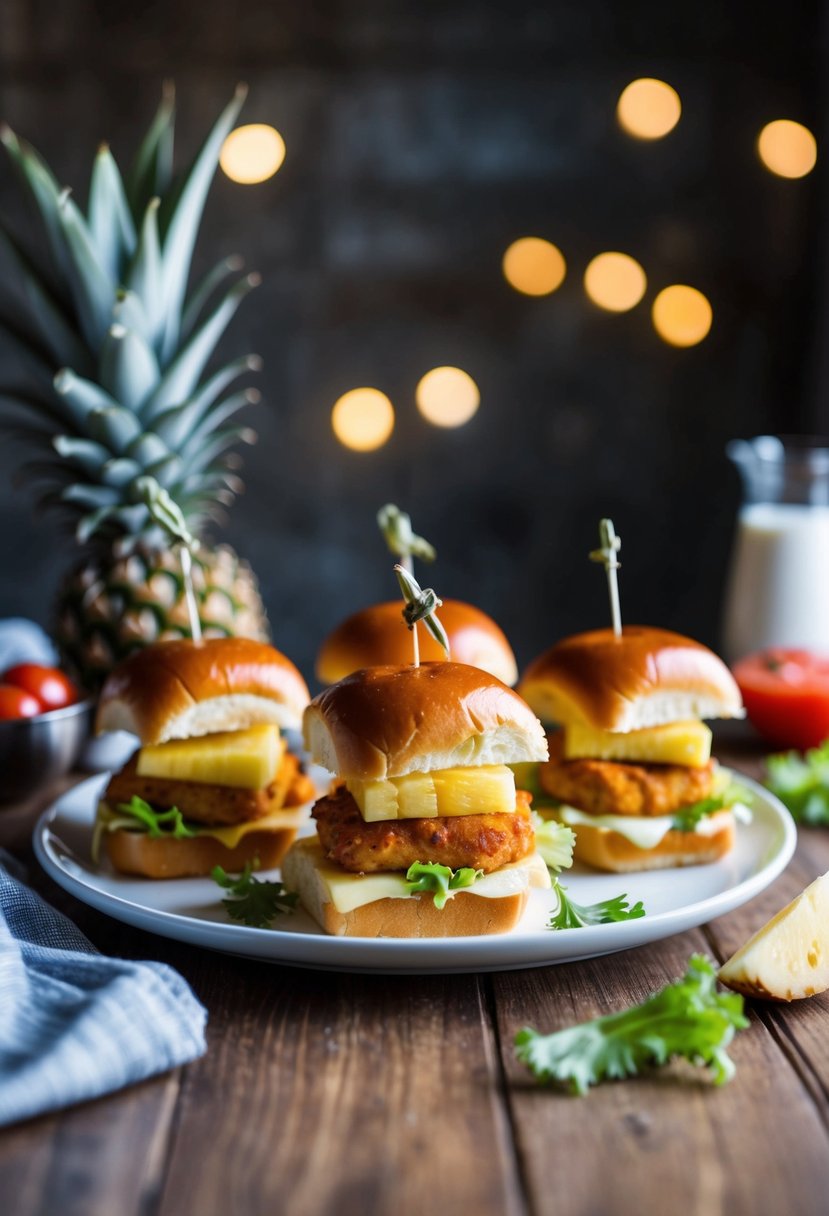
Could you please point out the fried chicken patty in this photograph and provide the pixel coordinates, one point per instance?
(482, 842)
(613, 787)
(209, 804)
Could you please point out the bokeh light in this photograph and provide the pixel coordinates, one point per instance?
(648, 108)
(787, 148)
(447, 396)
(682, 315)
(252, 154)
(534, 266)
(363, 419)
(615, 281)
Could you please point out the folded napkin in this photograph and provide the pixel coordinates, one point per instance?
(75, 1024)
(23, 641)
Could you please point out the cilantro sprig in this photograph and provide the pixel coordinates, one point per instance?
(254, 901)
(802, 784)
(438, 880)
(571, 915)
(687, 1018)
(156, 823)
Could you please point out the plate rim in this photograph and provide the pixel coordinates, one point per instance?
(417, 955)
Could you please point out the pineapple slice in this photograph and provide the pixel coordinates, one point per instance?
(486, 790)
(687, 743)
(789, 957)
(244, 759)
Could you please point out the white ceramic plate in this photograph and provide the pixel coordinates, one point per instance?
(190, 910)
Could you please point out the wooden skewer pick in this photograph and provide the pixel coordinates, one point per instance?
(168, 515)
(420, 605)
(610, 544)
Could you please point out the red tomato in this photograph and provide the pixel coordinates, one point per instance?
(17, 703)
(52, 688)
(786, 695)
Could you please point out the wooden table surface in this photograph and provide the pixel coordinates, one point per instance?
(334, 1093)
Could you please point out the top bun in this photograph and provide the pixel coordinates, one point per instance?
(180, 689)
(647, 677)
(377, 636)
(388, 721)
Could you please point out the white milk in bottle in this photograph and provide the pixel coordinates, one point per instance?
(778, 586)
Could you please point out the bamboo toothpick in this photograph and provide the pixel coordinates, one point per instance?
(168, 515)
(402, 541)
(610, 544)
(420, 605)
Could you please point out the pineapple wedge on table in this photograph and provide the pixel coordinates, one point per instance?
(119, 391)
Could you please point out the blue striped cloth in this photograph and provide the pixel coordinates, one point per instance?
(75, 1024)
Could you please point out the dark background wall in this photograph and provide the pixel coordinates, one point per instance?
(422, 139)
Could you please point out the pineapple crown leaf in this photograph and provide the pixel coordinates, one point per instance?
(116, 350)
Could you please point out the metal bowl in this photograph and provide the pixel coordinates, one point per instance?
(34, 751)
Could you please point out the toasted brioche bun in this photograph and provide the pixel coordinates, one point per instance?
(177, 690)
(608, 850)
(388, 721)
(647, 677)
(138, 853)
(376, 636)
(464, 915)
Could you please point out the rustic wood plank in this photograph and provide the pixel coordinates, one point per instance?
(93, 1160)
(668, 1142)
(334, 1093)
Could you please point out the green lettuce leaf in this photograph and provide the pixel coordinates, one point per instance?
(156, 823)
(687, 817)
(687, 1018)
(439, 880)
(802, 784)
(555, 842)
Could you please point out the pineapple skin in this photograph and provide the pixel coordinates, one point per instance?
(109, 606)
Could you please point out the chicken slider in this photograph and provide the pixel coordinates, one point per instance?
(424, 833)
(631, 769)
(213, 782)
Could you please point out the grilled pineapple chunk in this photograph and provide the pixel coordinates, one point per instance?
(687, 743)
(244, 759)
(485, 790)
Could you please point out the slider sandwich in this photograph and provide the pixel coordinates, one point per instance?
(213, 782)
(373, 637)
(631, 770)
(424, 833)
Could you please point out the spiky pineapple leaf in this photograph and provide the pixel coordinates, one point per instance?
(80, 398)
(180, 216)
(42, 190)
(144, 278)
(92, 287)
(181, 377)
(111, 226)
(204, 290)
(55, 334)
(152, 169)
(128, 369)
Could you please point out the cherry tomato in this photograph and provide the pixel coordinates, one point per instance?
(786, 695)
(51, 687)
(17, 703)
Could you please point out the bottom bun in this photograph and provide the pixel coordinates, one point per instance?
(608, 850)
(193, 857)
(464, 915)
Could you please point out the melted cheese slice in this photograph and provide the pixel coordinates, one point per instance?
(642, 831)
(229, 835)
(349, 891)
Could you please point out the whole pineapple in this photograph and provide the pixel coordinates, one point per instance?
(117, 392)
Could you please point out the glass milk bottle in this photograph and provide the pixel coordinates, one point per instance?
(778, 585)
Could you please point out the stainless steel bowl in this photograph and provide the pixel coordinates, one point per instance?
(34, 751)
